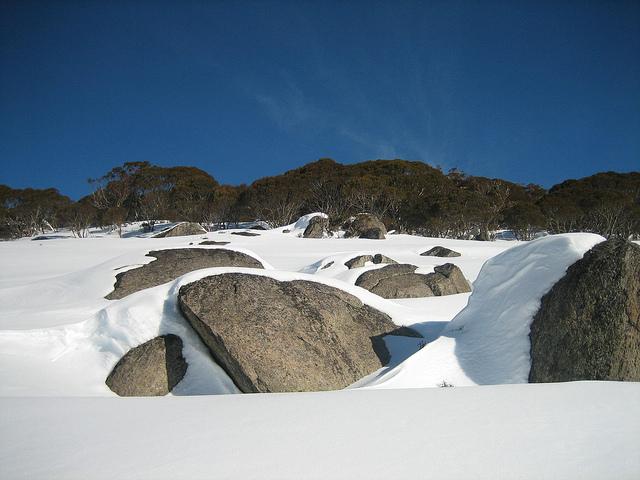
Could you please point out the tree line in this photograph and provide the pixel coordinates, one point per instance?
(410, 197)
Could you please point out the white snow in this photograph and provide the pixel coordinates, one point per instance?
(556, 431)
(59, 339)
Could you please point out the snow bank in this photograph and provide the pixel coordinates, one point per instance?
(488, 341)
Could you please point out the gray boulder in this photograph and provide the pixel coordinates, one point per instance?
(401, 281)
(150, 369)
(361, 260)
(365, 225)
(588, 324)
(181, 230)
(440, 252)
(318, 227)
(171, 264)
(273, 336)
(447, 279)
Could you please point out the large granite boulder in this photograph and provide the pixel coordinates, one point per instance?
(318, 227)
(181, 230)
(588, 324)
(401, 281)
(171, 264)
(361, 260)
(365, 225)
(440, 252)
(150, 369)
(274, 336)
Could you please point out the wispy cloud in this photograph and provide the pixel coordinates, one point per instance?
(289, 107)
(398, 125)
(374, 147)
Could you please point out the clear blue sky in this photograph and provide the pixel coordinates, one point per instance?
(535, 91)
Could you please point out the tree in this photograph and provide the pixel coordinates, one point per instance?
(78, 217)
(26, 212)
(114, 192)
(524, 219)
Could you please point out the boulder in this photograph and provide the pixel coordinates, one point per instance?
(275, 336)
(395, 281)
(447, 279)
(588, 325)
(365, 225)
(171, 264)
(318, 227)
(440, 252)
(401, 281)
(213, 242)
(181, 230)
(150, 369)
(361, 260)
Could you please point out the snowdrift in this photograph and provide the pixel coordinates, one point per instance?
(488, 342)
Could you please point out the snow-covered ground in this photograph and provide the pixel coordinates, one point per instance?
(59, 339)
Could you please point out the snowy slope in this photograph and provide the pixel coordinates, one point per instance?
(59, 338)
(556, 431)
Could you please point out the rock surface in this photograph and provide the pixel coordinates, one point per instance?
(246, 234)
(213, 242)
(171, 264)
(150, 369)
(447, 279)
(273, 336)
(361, 260)
(181, 230)
(318, 227)
(365, 225)
(401, 281)
(440, 252)
(588, 325)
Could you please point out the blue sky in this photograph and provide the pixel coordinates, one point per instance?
(536, 91)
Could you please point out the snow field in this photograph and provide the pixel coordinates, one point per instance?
(59, 339)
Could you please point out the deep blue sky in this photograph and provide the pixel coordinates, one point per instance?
(535, 91)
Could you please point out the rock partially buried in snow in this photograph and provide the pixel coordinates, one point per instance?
(273, 336)
(447, 279)
(213, 242)
(246, 234)
(171, 264)
(440, 252)
(361, 260)
(365, 225)
(588, 325)
(401, 281)
(181, 230)
(318, 227)
(150, 369)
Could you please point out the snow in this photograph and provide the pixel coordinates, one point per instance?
(557, 431)
(59, 339)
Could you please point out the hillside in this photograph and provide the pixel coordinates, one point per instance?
(411, 197)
